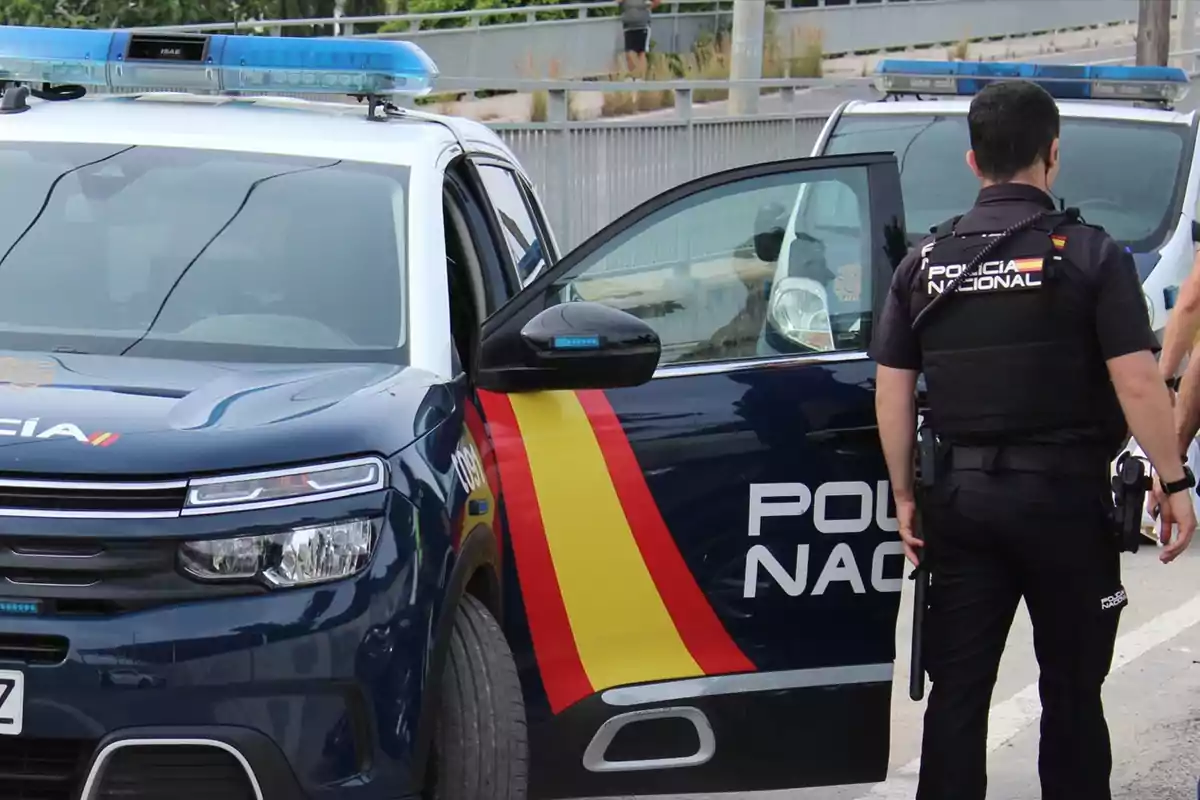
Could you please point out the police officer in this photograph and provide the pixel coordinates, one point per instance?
(1031, 331)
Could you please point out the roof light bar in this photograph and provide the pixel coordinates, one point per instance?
(219, 63)
(1065, 82)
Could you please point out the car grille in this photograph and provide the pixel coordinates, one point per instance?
(70, 498)
(99, 577)
(42, 769)
(179, 772)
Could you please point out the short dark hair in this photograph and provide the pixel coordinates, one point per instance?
(1012, 124)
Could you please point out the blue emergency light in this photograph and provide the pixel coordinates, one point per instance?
(1065, 82)
(116, 59)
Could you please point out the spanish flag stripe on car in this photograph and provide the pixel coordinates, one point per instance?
(633, 610)
(553, 643)
(698, 625)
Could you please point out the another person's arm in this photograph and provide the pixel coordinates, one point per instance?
(1128, 344)
(1183, 324)
(1187, 406)
(897, 353)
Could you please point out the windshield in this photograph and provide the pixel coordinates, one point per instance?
(1123, 176)
(200, 254)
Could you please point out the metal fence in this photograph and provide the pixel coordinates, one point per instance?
(588, 174)
(523, 43)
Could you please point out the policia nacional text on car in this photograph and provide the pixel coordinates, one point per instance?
(1031, 331)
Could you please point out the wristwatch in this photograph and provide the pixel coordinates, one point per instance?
(1186, 482)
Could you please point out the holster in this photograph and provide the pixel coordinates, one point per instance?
(1129, 486)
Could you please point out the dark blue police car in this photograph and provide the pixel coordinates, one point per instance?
(323, 474)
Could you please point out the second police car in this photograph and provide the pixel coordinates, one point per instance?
(323, 474)
(1130, 162)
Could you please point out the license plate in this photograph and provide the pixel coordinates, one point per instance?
(12, 702)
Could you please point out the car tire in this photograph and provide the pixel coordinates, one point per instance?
(481, 746)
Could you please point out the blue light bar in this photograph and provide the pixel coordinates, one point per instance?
(1065, 82)
(217, 63)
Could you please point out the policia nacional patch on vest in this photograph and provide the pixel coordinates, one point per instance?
(999, 275)
(1003, 275)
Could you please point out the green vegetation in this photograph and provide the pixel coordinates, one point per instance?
(439, 6)
(123, 14)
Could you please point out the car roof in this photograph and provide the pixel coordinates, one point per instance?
(275, 125)
(1076, 109)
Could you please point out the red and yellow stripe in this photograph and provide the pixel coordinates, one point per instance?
(1059, 241)
(1028, 264)
(609, 598)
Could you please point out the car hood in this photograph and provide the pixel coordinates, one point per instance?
(87, 415)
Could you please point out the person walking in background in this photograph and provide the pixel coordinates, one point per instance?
(635, 20)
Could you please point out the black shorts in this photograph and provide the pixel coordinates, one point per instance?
(637, 40)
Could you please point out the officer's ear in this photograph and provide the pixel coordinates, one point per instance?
(1052, 166)
(973, 164)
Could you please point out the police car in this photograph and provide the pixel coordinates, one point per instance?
(324, 474)
(1129, 160)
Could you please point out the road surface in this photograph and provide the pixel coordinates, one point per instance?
(1152, 699)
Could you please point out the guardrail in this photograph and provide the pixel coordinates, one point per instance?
(588, 173)
(521, 43)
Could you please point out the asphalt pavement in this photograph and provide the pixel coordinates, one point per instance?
(1152, 699)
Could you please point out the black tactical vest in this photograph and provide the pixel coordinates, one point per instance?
(1011, 355)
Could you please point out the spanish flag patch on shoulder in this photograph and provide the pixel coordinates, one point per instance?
(1059, 241)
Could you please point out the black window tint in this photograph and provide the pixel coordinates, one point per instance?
(1124, 176)
(520, 233)
(183, 252)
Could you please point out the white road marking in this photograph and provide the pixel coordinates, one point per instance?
(1012, 716)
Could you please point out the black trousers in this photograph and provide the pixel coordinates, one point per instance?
(992, 539)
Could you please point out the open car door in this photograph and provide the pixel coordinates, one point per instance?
(705, 571)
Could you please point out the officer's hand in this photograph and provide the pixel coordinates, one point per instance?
(1179, 509)
(906, 515)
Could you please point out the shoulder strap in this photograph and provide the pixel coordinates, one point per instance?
(945, 228)
(1051, 221)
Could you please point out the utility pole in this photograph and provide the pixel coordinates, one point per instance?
(1154, 32)
(749, 17)
(1186, 11)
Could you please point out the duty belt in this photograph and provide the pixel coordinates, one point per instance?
(1078, 460)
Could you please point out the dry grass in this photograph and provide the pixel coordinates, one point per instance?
(806, 53)
(803, 57)
(539, 102)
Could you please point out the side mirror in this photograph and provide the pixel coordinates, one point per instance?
(769, 225)
(577, 345)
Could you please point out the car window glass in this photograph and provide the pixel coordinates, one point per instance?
(165, 250)
(1134, 199)
(737, 271)
(520, 233)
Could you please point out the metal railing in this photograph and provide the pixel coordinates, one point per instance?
(520, 42)
(588, 173)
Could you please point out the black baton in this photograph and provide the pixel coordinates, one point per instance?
(916, 677)
(926, 467)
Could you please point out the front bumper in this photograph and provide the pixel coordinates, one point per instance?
(305, 694)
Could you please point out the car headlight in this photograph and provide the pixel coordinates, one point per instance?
(299, 557)
(284, 487)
